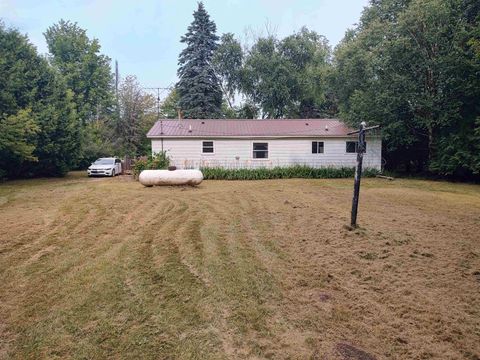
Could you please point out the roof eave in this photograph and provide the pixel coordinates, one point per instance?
(248, 136)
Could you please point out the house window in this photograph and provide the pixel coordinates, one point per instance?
(207, 147)
(260, 150)
(317, 147)
(352, 146)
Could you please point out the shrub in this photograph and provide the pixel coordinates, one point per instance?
(290, 172)
(157, 161)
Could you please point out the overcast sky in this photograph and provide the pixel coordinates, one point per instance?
(144, 35)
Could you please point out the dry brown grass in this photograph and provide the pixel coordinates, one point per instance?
(104, 268)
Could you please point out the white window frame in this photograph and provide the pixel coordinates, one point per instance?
(268, 150)
(213, 147)
(356, 147)
(319, 153)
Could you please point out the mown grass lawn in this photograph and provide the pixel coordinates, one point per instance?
(108, 269)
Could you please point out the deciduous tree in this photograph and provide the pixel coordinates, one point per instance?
(227, 62)
(412, 67)
(137, 114)
(86, 71)
(288, 77)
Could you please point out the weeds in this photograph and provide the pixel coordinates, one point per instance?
(298, 171)
(153, 162)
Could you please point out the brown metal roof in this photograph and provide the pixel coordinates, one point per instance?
(248, 128)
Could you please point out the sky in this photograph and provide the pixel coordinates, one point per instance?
(144, 35)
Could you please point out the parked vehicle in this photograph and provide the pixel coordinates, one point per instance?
(105, 167)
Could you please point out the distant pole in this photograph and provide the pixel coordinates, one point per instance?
(117, 103)
(358, 170)
(117, 79)
(158, 115)
(158, 108)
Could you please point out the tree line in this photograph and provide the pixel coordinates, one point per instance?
(61, 111)
(412, 66)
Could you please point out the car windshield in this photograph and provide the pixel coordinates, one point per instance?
(104, 162)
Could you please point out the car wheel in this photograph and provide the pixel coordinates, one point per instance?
(113, 173)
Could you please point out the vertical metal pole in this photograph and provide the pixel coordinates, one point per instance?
(158, 116)
(116, 79)
(158, 108)
(358, 175)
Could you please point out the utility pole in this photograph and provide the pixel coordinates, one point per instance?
(117, 75)
(358, 171)
(157, 89)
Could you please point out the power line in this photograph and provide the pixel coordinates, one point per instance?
(158, 106)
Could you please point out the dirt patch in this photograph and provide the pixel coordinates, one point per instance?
(350, 352)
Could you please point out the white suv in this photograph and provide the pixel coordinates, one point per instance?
(105, 167)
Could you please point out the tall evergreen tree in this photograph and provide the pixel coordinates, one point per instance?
(199, 92)
(58, 142)
(38, 123)
(20, 74)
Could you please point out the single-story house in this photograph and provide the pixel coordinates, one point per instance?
(194, 143)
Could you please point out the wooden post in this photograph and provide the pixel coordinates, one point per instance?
(358, 176)
(358, 170)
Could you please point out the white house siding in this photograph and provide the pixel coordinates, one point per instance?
(238, 153)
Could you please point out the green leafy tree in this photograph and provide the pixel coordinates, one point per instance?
(137, 113)
(267, 78)
(86, 71)
(227, 62)
(97, 141)
(308, 53)
(58, 141)
(19, 71)
(170, 106)
(288, 78)
(247, 110)
(39, 133)
(199, 92)
(17, 134)
(411, 66)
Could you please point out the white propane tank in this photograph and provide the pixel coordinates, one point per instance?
(167, 177)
